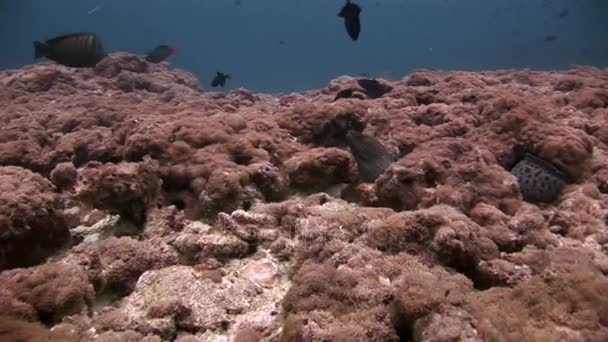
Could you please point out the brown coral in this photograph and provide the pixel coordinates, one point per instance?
(52, 290)
(127, 189)
(320, 167)
(115, 264)
(441, 247)
(32, 225)
(16, 330)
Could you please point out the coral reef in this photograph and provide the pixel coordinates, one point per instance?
(136, 206)
(32, 224)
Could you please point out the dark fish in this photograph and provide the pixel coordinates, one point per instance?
(219, 79)
(539, 181)
(344, 94)
(550, 38)
(78, 50)
(350, 13)
(160, 53)
(564, 13)
(373, 88)
(371, 156)
(349, 94)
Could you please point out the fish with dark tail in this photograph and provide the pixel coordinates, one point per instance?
(344, 94)
(350, 12)
(373, 88)
(349, 94)
(371, 155)
(77, 50)
(160, 53)
(550, 38)
(219, 79)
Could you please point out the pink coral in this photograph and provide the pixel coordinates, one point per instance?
(442, 246)
(32, 225)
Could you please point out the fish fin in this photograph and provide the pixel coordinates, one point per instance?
(40, 50)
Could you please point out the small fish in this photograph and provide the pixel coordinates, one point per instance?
(538, 180)
(78, 50)
(344, 94)
(219, 79)
(350, 12)
(160, 53)
(564, 13)
(349, 94)
(373, 88)
(370, 154)
(550, 38)
(95, 9)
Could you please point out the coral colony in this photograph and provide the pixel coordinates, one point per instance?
(445, 206)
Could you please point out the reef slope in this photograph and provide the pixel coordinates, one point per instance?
(135, 206)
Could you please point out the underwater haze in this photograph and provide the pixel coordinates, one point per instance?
(280, 46)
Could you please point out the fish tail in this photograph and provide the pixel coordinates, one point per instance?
(40, 49)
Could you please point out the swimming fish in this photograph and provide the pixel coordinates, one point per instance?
(370, 154)
(160, 53)
(78, 50)
(373, 88)
(550, 38)
(350, 13)
(344, 94)
(349, 94)
(219, 79)
(564, 13)
(539, 181)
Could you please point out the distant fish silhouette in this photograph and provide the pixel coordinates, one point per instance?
(373, 88)
(344, 94)
(350, 12)
(564, 13)
(349, 94)
(219, 79)
(160, 53)
(550, 38)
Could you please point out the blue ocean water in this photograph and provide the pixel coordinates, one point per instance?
(293, 45)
